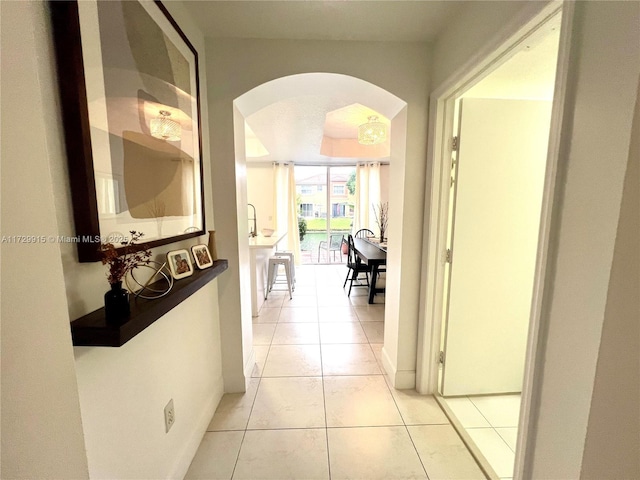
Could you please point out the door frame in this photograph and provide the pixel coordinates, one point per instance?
(441, 116)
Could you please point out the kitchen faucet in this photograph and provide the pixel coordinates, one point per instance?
(254, 232)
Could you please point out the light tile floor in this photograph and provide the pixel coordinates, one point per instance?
(492, 423)
(319, 406)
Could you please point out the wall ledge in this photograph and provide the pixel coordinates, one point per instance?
(93, 330)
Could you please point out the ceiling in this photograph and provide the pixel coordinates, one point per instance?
(312, 129)
(378, 20)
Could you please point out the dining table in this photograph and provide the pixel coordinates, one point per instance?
(374, 255)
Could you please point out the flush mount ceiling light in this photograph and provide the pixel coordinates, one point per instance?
(373, 132)
(165, 128)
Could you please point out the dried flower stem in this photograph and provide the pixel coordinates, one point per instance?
(381, 213)
(133, 256)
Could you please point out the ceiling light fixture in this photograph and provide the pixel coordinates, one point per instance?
(165, 128)
(373, 132)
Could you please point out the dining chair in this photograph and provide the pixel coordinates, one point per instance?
(364, 233)
(335, 245)
(355, 267)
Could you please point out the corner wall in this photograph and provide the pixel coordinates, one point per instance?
(595, 146)
(614, 405)
(40, 401)
(120, 393)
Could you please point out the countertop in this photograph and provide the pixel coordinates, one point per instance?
(266, 242)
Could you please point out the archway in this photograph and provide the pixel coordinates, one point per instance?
(399, 337)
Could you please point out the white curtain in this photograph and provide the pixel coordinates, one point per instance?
(285, 206)
(281, 196)
(294, 235)
(367, 196)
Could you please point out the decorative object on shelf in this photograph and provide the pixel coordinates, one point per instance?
(165, 128)
(212, 245)
(201, 256)
(116, 303)
(158, 285)
(121, 260)
(91, 330)
(381, 212)
(373, 132)
(267, 232)
(180, 264)
(119, 64)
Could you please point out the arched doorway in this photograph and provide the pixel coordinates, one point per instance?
(400, 330)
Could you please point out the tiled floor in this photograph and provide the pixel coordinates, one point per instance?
(319, 405)
(492, 423)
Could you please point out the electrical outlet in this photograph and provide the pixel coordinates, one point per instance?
(169, 416)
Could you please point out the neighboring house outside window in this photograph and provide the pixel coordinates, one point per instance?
(338, 189)
(306, 209)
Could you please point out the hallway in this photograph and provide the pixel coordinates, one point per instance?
(319, 406)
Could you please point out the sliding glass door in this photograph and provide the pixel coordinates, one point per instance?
(325, 198)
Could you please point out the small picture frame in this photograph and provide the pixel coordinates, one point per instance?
(180, 264)
(202, 256)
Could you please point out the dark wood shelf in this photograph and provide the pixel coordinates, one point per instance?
(93, 330)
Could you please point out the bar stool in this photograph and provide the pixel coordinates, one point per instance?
(274, 266)
(289, 253)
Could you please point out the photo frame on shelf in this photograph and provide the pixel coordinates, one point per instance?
(201, 256)
(130, 100)
(180, 264)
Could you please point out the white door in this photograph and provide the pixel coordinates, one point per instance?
(500, 173)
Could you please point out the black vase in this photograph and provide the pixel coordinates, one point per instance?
(116, 303)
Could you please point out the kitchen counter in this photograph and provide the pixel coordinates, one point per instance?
(266, 242)
(260, 249)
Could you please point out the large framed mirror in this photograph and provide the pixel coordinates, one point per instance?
(128, 80)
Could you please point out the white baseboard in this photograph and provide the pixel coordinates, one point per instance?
(400, 379)
(195, 439)
(248, 367)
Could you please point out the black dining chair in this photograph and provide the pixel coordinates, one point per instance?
(364, 233)
(355, 267)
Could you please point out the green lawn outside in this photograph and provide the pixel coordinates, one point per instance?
(320, 224)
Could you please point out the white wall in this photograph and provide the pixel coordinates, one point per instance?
(467, 34)
(594, 151)
(260, 192)
(239, 65)
(614, 405)
(42, 433)
(122, 391)
(595, 154)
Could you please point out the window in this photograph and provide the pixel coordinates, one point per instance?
(306, 209)
(319, 187)
(338, 210)
(306, 189)
(338, 189)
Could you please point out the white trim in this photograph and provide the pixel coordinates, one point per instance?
(436, 208)
(181, 466)
(248, 368)
(442, 100)
(476, 453)
(532, 380)
(400, 379)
